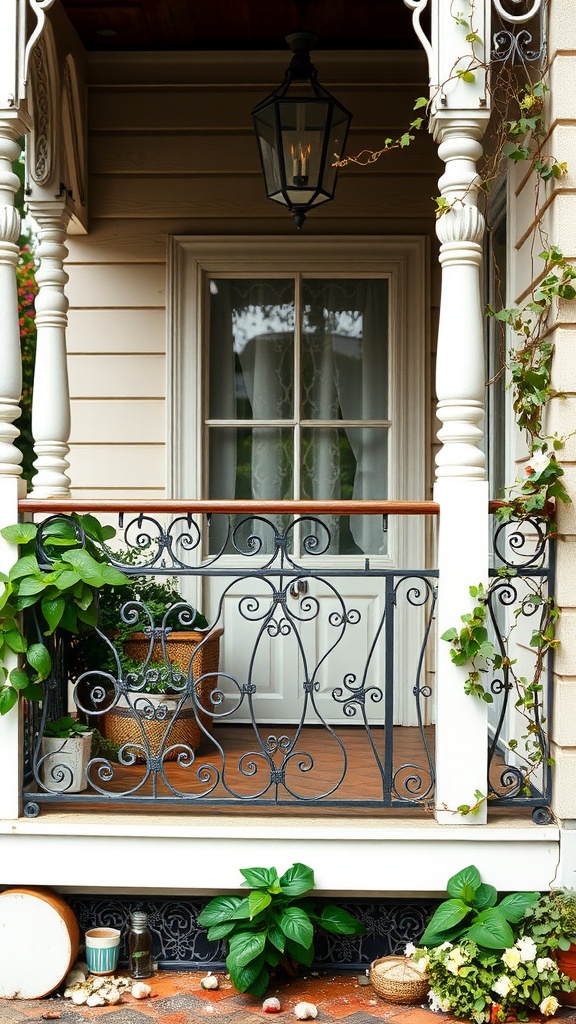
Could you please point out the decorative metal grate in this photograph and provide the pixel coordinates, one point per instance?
(179, 942)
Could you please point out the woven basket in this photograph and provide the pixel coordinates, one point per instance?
(124, 725)
(398, 980)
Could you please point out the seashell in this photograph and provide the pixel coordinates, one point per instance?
(305, 1011)
(271, 1005)
(74, 977)
(140, 990)
(95, 1000)
(210, 981)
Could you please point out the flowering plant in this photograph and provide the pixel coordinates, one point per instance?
(487, 959)
(486, 985)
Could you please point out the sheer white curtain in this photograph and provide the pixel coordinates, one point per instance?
(343, 376)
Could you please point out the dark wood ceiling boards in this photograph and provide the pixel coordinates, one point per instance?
(148, 25)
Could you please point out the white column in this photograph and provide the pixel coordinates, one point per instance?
(51, 399)
(11, 485)
(461, 488)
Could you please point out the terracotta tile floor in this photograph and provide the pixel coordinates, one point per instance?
(177, 998)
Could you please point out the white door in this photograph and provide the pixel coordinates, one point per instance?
(313, 364)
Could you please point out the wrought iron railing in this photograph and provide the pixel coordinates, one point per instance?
(321, 656)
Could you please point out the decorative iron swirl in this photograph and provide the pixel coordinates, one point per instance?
(408, 783)
(507, 13)
(517, 541)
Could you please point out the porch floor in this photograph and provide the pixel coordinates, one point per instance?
(317, 771)
(177, 998)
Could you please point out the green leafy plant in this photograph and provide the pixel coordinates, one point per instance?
(473, 913)
(472, 648)
(158, 596)
(552, 920)
(65, 728)
(62, 591)
(273, 926)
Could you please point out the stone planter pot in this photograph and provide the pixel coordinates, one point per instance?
(64, 761)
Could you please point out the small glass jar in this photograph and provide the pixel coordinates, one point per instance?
(139, 946)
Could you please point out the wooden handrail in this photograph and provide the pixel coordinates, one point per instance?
(242, 507)
(206, 506)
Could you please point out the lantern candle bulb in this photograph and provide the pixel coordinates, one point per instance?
(300, 158)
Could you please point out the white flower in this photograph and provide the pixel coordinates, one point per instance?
(511, 958)
(422, 964)
(527, 948)
(537, 463)
(549, 1005)
(544, 963)
(409, 948)
(502, 986)
(437, 1002)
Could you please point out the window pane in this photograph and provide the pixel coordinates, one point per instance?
(251, 349)
(345, 349)
(350, 463)
(251, 463)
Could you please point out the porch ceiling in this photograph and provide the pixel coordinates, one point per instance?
(239, 24)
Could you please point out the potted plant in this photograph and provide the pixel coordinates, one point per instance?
(150, 636)
(273, 927)
(65, 752)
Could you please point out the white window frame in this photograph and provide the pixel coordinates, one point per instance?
(403, 259)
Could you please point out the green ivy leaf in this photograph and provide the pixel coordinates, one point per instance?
(258, 901)
(465, 881)
(514, 907)
(19, 533)
(297, 926)
(247, 946)
(259, 878)
(297, 880)
(8, 698)
(491, 929)
(40, 660)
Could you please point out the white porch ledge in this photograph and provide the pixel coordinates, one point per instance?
(370, 857)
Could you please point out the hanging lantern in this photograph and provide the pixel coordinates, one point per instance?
(301, 131)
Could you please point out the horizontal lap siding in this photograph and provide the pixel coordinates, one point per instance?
(169, 159)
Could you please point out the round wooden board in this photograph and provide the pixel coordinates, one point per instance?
(39, 938)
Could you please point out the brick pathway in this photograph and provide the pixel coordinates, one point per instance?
(177, 998)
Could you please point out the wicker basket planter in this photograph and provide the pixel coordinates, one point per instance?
(151, 715)
(398, 980)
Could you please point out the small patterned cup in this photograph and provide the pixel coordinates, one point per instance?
(102, 949)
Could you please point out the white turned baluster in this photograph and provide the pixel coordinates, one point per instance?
(51, 400)
(10, 358)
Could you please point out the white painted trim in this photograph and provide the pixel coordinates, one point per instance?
(410, 858)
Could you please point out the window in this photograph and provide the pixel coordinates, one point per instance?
(298, 401)
(298, 370)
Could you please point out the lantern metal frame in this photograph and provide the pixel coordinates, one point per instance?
(297, 174)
